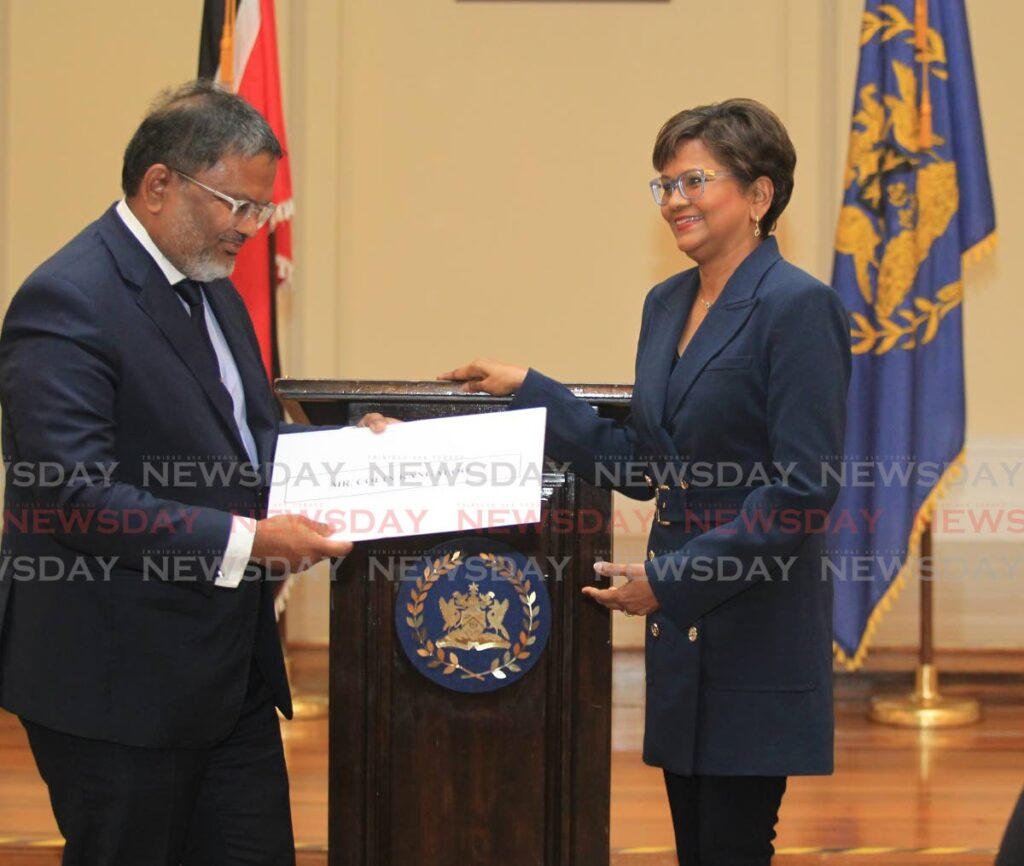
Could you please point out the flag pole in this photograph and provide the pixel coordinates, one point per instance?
(925, 707)
(227, 47)
(217, 60)
(306, 705)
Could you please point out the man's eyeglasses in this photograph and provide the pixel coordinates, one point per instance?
(690, 184)
(241, 209)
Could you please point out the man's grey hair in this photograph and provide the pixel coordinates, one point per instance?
(191, 129)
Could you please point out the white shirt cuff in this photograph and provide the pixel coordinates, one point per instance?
(237, 553)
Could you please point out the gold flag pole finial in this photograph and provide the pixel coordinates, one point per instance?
(227, 47)
(921, 43)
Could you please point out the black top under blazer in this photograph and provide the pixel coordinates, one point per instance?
(111, 626)
(739, 654)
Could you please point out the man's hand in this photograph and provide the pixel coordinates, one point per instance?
(289, 543)
(376, 422)
(493, 377)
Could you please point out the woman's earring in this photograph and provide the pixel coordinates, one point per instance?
(757, 228)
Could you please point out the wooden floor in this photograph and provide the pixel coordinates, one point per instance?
(897, 797)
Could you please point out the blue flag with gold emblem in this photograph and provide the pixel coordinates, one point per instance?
(917, 205)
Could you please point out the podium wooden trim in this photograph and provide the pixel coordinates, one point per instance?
(308, 399)
(420, 775)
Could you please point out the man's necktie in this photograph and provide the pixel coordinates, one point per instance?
(190, 292)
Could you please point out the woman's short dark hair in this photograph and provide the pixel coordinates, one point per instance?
(745, 136)
(191, 129)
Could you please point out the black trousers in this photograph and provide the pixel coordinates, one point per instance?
(126, 806)
(1011, 852)
(724, 820)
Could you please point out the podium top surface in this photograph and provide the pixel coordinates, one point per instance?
(429, 391)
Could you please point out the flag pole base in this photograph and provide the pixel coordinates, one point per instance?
(925, 707)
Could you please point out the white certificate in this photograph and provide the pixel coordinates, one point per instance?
(439, 475)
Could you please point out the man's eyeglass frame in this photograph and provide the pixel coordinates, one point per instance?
(241, 209)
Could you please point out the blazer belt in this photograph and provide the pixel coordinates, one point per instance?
(662, 495)
(682, 503)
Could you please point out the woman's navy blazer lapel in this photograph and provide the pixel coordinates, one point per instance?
(665, 387)
(666, 315)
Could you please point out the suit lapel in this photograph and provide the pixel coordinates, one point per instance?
(715, 331)
(158, 300)
(726, 318)
(258, 407)
(655, 362)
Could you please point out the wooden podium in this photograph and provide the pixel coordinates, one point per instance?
(424, 776)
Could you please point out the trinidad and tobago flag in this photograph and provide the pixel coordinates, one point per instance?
(238, 47)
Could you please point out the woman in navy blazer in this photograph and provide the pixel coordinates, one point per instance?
(736, 430)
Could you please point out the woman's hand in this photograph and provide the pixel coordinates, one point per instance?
(376, 422)
(494, 377)
(634, 597)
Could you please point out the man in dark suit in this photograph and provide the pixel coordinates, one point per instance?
(137, 636)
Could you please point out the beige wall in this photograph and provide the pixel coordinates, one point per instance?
(470, 176)
(81, 76)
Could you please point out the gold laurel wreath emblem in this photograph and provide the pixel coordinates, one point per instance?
(451, 663)
(897, 319)
(914, 327)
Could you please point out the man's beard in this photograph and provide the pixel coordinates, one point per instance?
(201, 265)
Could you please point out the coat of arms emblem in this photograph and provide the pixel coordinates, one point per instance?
(472, 615)
(473, 621)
